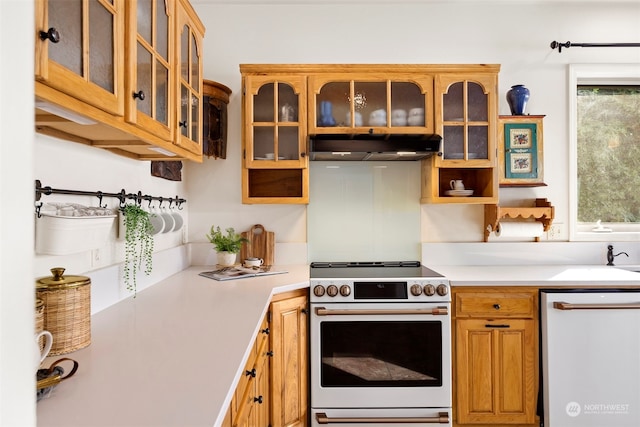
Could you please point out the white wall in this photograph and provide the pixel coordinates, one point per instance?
(514, 34)
(17, 375)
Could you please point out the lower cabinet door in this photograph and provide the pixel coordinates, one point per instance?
(495, 371)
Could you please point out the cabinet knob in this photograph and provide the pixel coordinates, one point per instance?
(139, 94)
(303, 155)
(304, 311)
(496, 306)
(183, 124)
(270, 353)
(265, 331)
(52, 35)
(251, 373)
(258, 399)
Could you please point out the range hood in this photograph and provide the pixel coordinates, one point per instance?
(361, 147)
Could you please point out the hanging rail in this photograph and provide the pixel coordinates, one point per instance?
(559, 46)
(123, 196)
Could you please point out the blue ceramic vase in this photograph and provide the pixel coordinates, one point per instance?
(517, 97)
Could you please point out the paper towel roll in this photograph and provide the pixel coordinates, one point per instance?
(520, 229)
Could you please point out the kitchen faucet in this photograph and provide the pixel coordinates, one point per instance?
(611, 256)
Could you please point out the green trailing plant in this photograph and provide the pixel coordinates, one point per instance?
(138, 244)
(229, 242)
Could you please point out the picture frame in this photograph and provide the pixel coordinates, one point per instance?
(520, 151)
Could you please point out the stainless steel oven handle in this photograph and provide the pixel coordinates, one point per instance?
(560, 305)
(442, 418)
(436, 311)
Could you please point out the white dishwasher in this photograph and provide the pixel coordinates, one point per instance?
(590, 353)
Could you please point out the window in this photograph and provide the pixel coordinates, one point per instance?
(605, 147)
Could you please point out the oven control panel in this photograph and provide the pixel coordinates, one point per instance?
(372, 290)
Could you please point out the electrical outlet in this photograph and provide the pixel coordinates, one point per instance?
(96, 257)
(555, 232)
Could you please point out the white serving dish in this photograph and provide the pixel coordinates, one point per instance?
(62, 235)
(459, 193)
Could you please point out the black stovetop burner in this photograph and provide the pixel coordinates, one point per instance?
(370, 269)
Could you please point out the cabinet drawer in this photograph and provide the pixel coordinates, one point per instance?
(495, 304)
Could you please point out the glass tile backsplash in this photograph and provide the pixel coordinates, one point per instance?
(364, 211)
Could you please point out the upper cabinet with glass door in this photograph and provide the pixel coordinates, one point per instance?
(466, 110)
(371, 103)
(189, 54)
(78, 50)
(275, 132)
(150, 94)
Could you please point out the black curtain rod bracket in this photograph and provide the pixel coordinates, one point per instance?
(559, 46)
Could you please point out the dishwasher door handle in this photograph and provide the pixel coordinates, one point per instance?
(560, 305)
(442, 418)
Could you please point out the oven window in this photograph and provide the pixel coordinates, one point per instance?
(381, 354)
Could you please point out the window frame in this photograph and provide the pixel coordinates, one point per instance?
(594, 74)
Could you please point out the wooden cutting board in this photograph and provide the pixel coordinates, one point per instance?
(261, 244)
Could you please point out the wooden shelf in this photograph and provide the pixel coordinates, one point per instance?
(543, 211)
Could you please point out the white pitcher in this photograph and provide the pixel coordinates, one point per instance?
(456, 184)
(38, 355)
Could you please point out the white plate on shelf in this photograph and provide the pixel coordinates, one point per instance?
(459, 193)
(264, 158)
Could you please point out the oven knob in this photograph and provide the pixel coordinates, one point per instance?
(332, 290)
(416, 290)
(318, 290)
(429, 290)
(345, 290)
(442, 290)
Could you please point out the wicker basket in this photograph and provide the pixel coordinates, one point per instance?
(40, 321)
(67, 310)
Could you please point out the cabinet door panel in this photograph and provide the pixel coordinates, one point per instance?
(87, 62)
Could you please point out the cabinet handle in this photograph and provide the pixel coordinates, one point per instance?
(139, 94)
(497, 326)
(303, 155)
(52, 35)
(258, 399)
(496, 306)
(265, 331)
(304, 311)
(251, 373)
(270, 353)
(183, 123)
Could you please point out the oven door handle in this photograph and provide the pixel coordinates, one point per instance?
(436, 311)
(442, 418)
(560, 305)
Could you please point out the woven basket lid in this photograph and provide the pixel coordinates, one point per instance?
(58, 281)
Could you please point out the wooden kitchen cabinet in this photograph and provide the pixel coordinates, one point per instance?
(274, 146)
(78, 50)
(289, 367)
(150, 99)
(84, 95)
(400, 103)
(273, 388)
(466, 111)
(495, 356)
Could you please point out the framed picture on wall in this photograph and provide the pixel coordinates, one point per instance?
(520, 151)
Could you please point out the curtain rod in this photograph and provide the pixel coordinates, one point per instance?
(559, 46)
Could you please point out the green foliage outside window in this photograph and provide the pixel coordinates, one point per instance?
(608, 153)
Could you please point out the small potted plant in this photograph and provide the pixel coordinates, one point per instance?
(138, 244)
(226, 245)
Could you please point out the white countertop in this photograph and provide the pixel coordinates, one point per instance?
(539, 275)
(171, 356)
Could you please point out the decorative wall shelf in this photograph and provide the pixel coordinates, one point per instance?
(543, 212)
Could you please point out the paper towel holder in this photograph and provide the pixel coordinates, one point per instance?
(543, 211)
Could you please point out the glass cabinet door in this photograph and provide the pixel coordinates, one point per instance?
(190, 83)
(385, 106)
(150, 102)
(76, 50)
(277, 117)
(466, 125)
